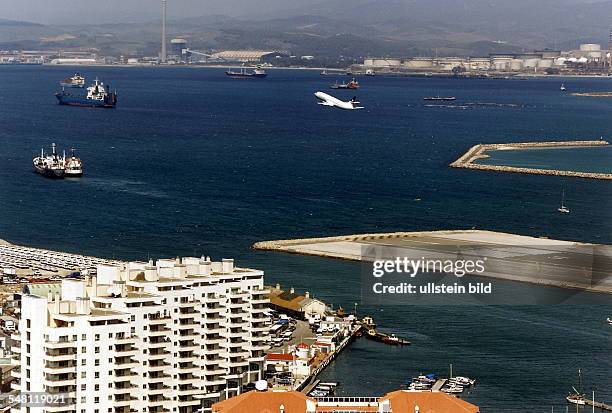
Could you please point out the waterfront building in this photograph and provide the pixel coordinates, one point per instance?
(171, 336)
(243, 56)
(400, 401)
(299, 306)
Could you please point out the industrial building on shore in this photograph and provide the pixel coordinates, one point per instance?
(174, 336)
(588, 58)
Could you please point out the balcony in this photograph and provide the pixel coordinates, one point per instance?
(159, 320)
(63, 343)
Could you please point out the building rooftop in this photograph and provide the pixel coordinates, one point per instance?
(400, 401)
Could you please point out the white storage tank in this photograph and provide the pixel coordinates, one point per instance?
(590, 47)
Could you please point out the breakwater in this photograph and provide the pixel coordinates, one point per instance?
(467, 160)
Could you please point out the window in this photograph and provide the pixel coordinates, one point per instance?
(29, 323)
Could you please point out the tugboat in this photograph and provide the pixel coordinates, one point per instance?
(392, 339)
(242, 74)
(51, 166)
(75, 81)
(73, 166)
(98, 96)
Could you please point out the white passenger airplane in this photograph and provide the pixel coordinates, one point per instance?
(328, 100)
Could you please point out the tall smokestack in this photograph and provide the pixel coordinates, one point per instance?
(163, 39)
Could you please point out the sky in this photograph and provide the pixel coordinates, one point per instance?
(122, 11)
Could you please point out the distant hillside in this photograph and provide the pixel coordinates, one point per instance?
(356, 28)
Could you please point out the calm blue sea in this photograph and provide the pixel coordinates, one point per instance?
(191, 162)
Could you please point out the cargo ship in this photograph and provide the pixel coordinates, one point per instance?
(51, 166)
(73, 166)
(75, 81)
(98, 96)
(242, 74)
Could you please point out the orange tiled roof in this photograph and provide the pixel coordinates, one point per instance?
(295, 402)
(428, 402)
(258, 401)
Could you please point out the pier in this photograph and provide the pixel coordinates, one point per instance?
(476, 152)
(311, 381)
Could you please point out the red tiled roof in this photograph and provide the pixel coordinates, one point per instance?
(280, 357)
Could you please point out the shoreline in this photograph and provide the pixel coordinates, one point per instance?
(467, 160)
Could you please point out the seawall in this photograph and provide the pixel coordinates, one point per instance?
(467, 160)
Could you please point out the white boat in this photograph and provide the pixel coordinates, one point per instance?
(609, 320)
(563, 89)
(563, 209)
(453, 389)
(576, 399)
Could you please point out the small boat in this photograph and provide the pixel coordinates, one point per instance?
(243, 74)
(51, 166)
(387, 339)
(324, 73)
(576, 398)
(453, 389)
(370, 72)
(563, 209)
(609, 320)
(353, 84)
(75, 81)
(562, 88)
(440, 98)
(73, 166)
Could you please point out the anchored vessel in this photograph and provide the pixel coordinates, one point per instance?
(51, 166)
(73, 166)
(257, 73)
(75, 81)
(353, 84)
(98, 96)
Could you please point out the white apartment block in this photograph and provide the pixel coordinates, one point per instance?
(174, 336)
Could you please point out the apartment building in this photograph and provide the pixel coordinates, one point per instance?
(171, 336)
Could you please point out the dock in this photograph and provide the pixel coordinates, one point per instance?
(599, 405)
(467, 160)
(438, 385)
(311, 381)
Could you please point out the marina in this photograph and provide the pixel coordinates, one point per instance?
(476, 152)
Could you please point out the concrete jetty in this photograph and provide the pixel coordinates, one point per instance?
(542, 261)
(467, 160)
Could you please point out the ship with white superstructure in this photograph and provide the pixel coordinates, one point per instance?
(51, 165)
